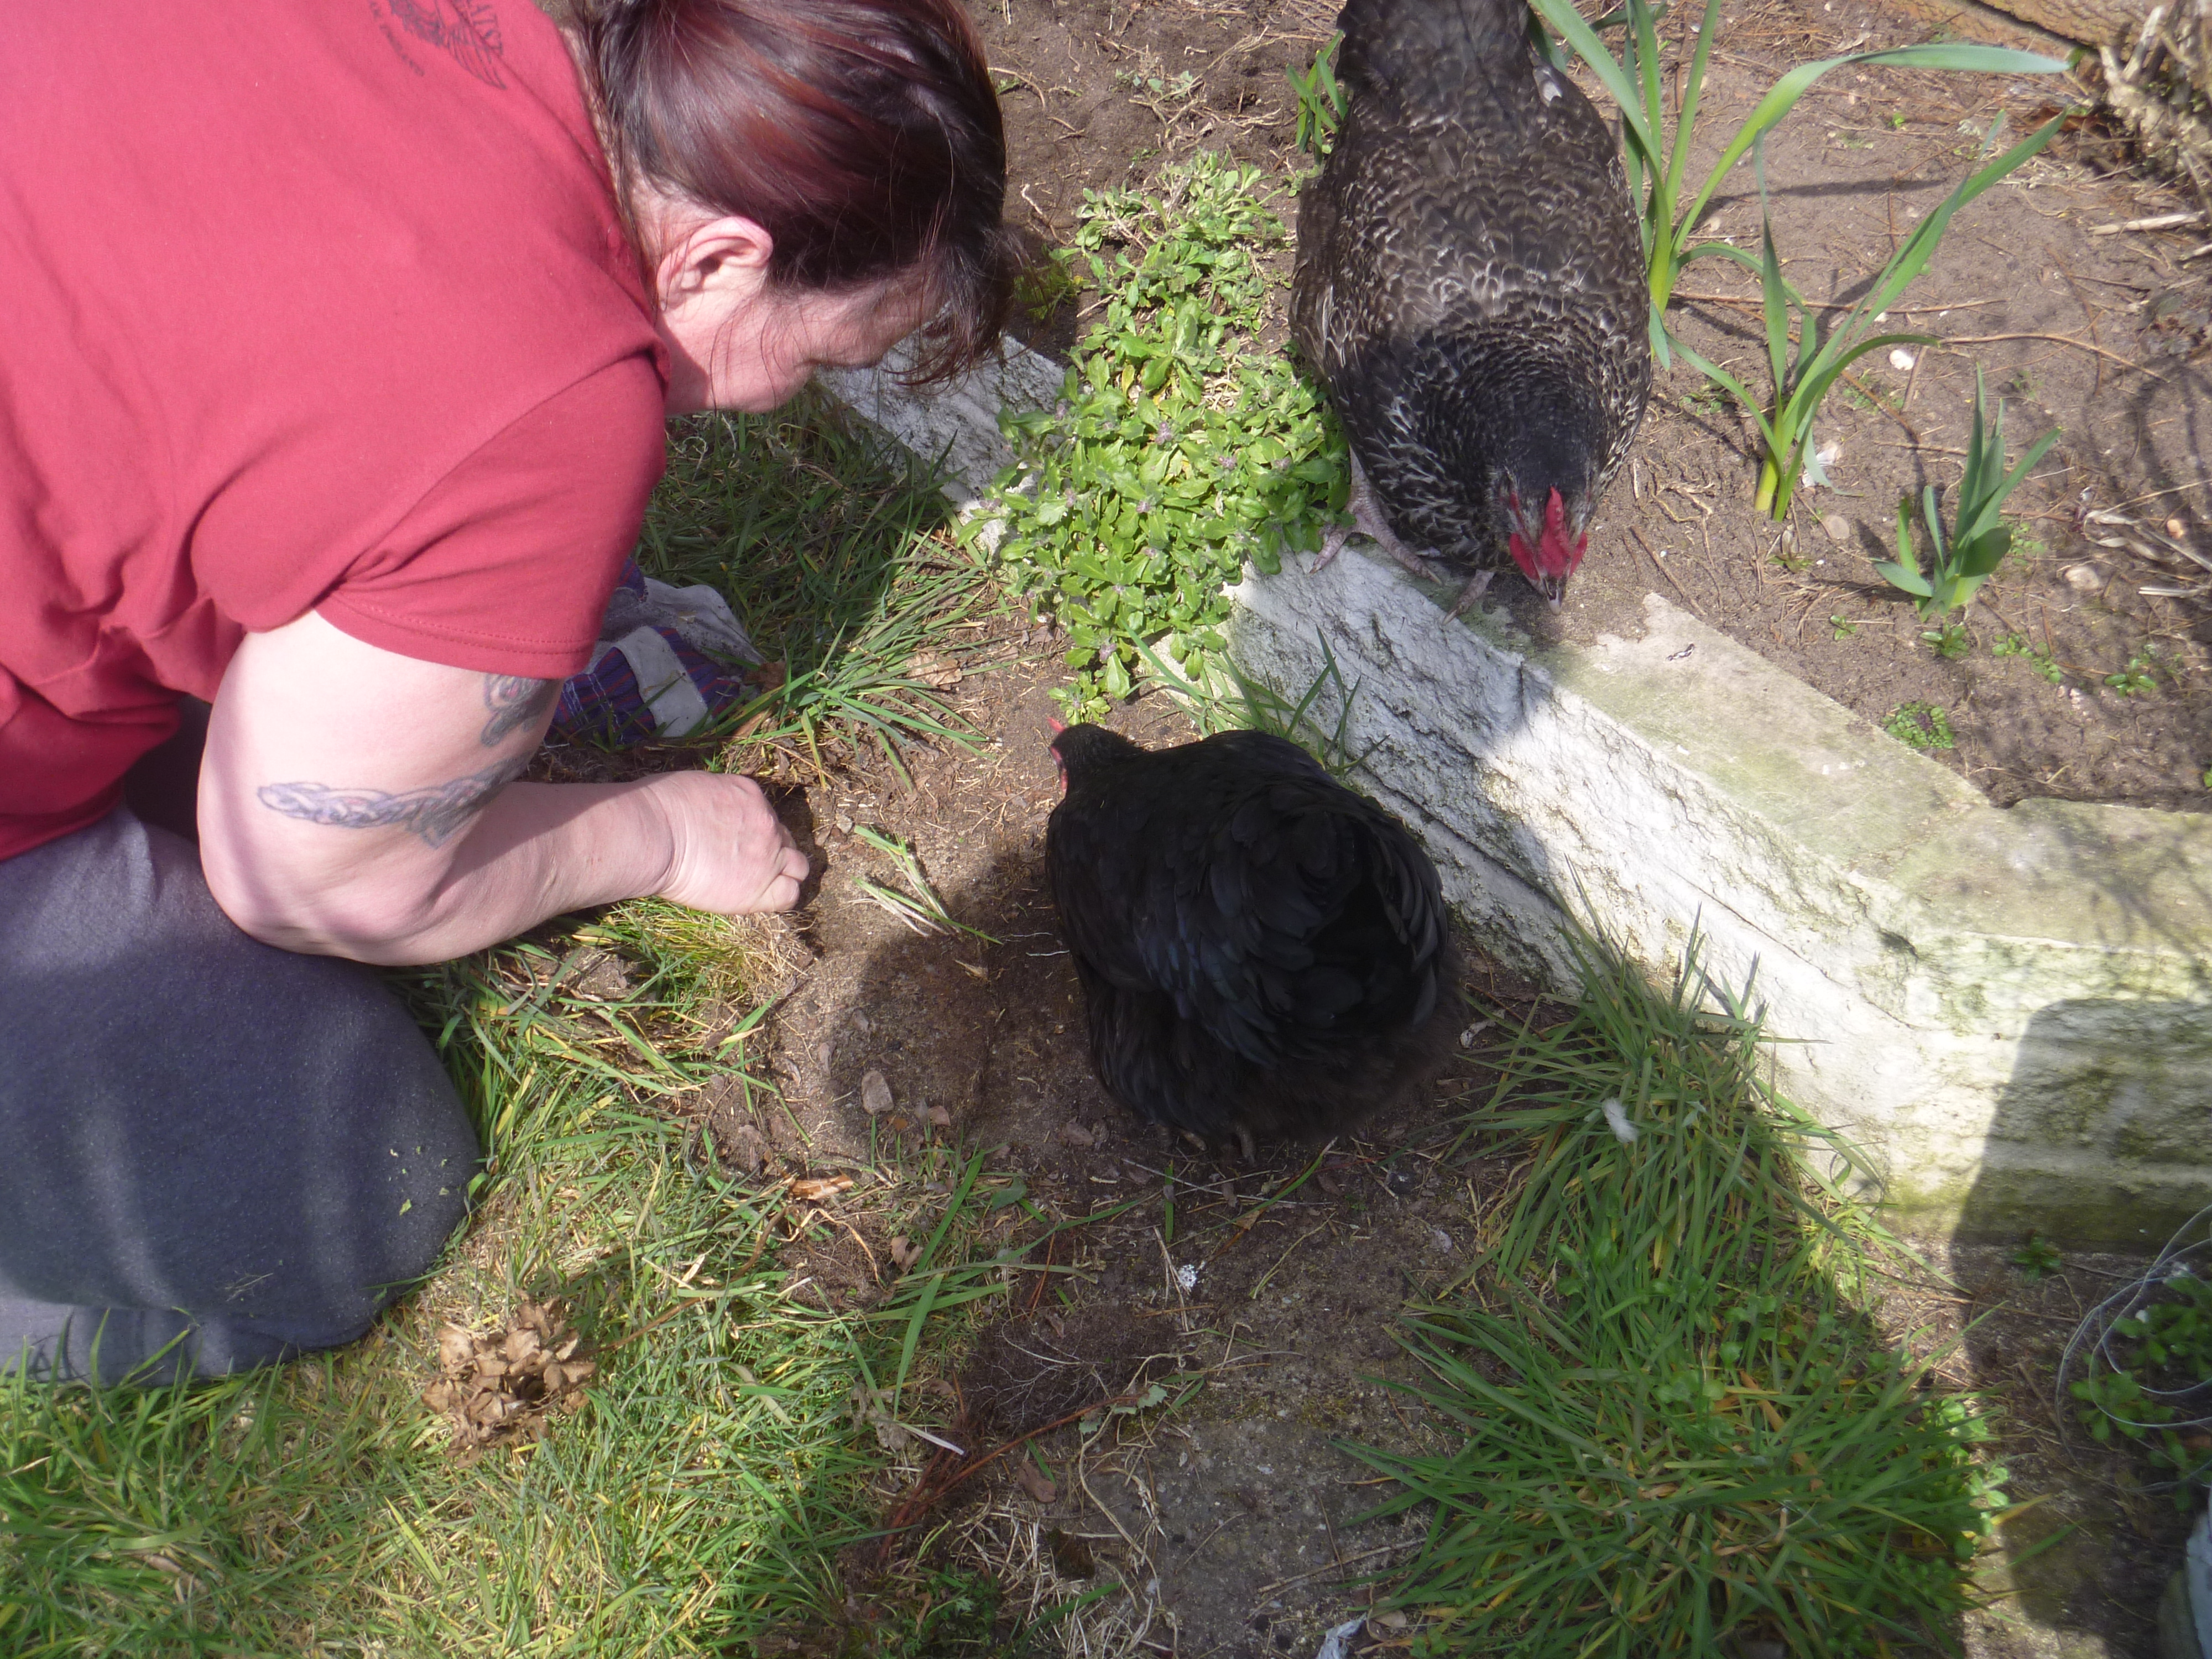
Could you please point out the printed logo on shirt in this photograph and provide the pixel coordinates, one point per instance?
(466, 29)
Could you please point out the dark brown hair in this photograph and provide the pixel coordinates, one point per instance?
(863, 136)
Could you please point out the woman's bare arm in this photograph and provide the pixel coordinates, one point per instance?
(358, 803)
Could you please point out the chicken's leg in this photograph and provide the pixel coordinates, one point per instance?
(1477, 585)
(1367, 519)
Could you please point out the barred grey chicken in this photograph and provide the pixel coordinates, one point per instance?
(1471, 286)
(1262, 952)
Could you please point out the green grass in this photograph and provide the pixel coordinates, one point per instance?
(1677, 1432)
(836, 551)
(701, 1497)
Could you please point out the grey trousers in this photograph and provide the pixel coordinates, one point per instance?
(207, 1146)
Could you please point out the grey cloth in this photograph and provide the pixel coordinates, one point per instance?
(201, 1137)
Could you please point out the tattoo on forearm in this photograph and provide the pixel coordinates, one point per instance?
(435, 814)
(515, 701)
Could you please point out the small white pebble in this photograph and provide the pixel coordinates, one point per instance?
(1187, 1276)
(1899, 358)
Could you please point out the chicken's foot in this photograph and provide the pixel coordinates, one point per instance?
(1477, 585)
(1367, 521)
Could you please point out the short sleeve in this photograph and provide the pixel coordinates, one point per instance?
(507, 564)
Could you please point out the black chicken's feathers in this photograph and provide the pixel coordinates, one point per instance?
(1470, 279)
(1258, 946)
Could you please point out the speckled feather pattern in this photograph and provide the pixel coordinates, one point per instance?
(1262, 952)
(1470, 282)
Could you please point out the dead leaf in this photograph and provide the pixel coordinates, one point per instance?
(904, 1252)
(1075, 1135)
(933, 668)
(499, 1385)
(815, 1188)
(767, 677)
(1034, 1483)
(868, 1412)
(938, 1117)
(875, 1093)
(455, 1349)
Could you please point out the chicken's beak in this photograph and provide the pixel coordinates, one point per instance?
(1554, 590)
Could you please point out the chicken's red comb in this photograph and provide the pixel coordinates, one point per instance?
(1555, 516)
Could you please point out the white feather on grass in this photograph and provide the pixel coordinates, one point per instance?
(1617, 1120)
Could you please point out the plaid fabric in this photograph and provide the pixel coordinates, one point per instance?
(650, 682)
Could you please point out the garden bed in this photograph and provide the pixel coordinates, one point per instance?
(2064, 679)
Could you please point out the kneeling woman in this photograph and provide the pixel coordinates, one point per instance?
(339, 343)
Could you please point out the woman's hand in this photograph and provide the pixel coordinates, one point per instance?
(357, 803)
(731, 854)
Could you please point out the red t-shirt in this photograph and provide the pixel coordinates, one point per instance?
(304, 305)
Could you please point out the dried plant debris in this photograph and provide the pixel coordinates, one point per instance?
(501, 1386)
(2159, 85)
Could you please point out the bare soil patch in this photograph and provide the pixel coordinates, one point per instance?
(2104, 336)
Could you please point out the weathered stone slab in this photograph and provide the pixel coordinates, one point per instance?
(2009, 1011)
(956, 423)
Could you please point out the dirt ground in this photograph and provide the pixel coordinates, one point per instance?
(1227, 1523)
(1232, 1518)
(2103, 336)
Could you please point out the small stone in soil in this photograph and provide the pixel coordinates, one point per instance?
(875, 1093)
(1838, 526)
(2085, 578)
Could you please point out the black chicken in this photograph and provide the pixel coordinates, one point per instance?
(1262, 952)
(1471, 285)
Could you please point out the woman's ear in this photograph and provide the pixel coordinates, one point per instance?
(726, 258)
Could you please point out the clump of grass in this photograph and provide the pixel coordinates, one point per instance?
(1679, 1433)
(836, 551)
(1960, 561)
(1318, 719)
(917, 907)
(1179, 450)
